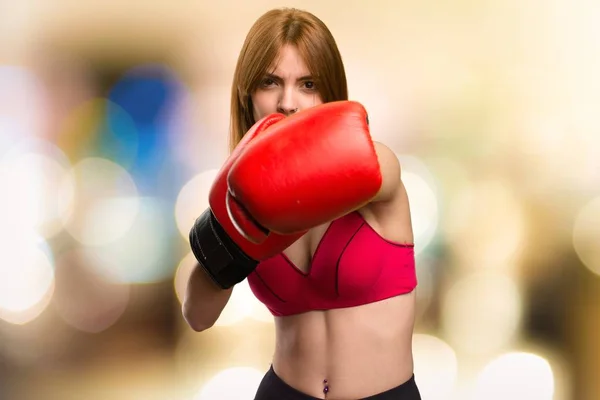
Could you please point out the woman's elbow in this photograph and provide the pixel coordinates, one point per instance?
(196, 320)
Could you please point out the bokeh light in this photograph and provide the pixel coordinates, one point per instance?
(482, 312)
(421, 190)
(516, 376)
(143, 253)
(23, 111)
(243, 304)
(118, 138)
(452, 177)
(487, 227)
(83, 298)
(427, 273)
(85, 132)
(104, 201)
(30, 172)
(436, 367)
(26, 277)
(546, 136)
(239, 383)
(375, 96)
(149, 96)
(193, 201)
(586, 235)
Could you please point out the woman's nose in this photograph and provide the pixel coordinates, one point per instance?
(287, 103)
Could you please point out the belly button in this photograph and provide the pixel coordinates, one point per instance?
(325, 387)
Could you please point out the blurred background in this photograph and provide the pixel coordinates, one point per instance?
(113, 121)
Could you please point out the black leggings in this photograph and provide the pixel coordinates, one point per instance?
(272, 387)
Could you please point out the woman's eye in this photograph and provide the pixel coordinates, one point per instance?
(309, 85)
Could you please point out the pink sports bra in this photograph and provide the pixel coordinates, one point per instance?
(353, 265)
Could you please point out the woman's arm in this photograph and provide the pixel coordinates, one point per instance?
(203, 301)
(390, 173)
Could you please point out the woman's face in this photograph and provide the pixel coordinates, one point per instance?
(287, 88)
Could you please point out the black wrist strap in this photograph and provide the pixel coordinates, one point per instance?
(219, 256)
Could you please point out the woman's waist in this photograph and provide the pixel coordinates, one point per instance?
(340, 354)
(355, 373)
(354, 353)
(342, 359)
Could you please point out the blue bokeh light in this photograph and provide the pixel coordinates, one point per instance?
(148, 94)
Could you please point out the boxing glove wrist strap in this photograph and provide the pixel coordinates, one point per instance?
(218, 255)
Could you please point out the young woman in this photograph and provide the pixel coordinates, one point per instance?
(341, 292)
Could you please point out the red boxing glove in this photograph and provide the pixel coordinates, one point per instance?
(306, 170)
(226, 255)
(274, 244)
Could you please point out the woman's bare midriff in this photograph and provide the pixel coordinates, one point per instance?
(360, 351)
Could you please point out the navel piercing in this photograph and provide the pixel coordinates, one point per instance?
(325, 387)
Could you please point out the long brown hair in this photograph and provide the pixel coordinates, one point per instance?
(266, 37)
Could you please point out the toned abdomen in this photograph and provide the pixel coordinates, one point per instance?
(360, 351)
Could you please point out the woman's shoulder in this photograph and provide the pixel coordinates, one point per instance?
(389, 165)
